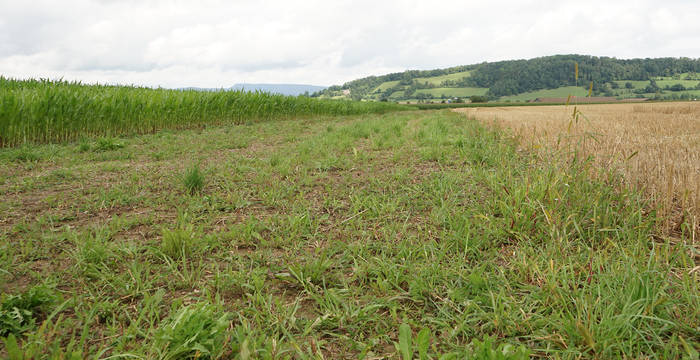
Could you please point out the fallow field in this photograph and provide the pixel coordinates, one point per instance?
(359, 233)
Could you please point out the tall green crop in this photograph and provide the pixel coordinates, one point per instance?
(41, 111)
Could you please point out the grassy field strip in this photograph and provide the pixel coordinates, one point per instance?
(452, 92)
(385, 85)
(562, 92)
(655, 147)
(413, 234)
(42, 111)
(437, 80)
(690, 84)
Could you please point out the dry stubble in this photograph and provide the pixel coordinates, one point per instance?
(655, 146)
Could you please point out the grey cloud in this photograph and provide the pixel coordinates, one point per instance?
(216, 43)
(270, 65)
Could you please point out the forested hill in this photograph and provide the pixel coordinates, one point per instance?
(361, 87)
(513, 77)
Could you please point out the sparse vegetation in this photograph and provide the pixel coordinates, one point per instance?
(409, 234)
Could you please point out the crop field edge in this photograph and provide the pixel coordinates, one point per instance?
(505, 254)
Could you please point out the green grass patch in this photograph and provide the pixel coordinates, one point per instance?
(562, 92)
(106, 144)
(386, 85)
(410, 234)
(193, 179)
(636, 84)
(397, 95)
(196, 331)
(22, 154)
(179, 243)
(453, 92)
(19, 313)
(696, 93)
(437, 80)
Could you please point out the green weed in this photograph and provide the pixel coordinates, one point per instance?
(193, 179)
(84, 145)
(23, 154)
(106, 144)
(19, 313)
(488, 350)
(193, 332)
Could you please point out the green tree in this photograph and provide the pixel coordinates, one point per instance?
(677, 87)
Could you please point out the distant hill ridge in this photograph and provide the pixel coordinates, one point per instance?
(536, 77)
(283, 89)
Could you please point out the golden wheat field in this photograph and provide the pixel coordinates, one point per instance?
(655, 146)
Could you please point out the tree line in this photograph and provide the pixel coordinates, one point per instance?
(518, 76)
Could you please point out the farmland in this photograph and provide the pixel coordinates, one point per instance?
(562, 92)
(655, 147)
(453, 92)
(306, 229)
(33, 111)
(438, 80)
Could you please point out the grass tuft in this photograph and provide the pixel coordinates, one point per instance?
(179, 243)
(193, 180)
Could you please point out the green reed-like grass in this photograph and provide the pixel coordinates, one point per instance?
(44, 111)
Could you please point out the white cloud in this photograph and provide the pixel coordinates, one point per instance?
(219, 43)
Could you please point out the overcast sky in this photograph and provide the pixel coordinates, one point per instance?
(219, 43)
